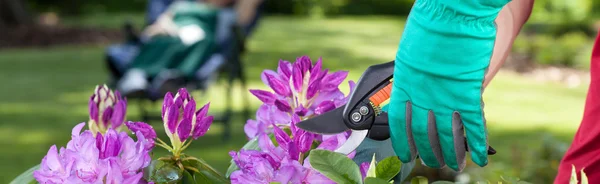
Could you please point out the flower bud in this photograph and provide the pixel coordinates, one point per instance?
(107, 110)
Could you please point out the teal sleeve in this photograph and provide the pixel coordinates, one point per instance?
(440, 65)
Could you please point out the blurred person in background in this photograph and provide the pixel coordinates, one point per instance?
(188, 41)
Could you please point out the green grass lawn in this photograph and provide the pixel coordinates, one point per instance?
(45, 92)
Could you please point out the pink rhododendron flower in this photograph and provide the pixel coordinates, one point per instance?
(110, 158)
(301, 89)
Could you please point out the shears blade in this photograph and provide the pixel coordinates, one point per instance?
(355, 139)
(327, 123)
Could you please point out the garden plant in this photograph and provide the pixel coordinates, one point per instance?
(110, 149)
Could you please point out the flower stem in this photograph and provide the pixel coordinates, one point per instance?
(164, 146)
(186, 145)
(161, 141)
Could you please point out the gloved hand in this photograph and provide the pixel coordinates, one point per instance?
(440, 66)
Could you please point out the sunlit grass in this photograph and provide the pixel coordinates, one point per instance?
(45, 91)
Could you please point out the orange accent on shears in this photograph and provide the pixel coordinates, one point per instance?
(382, 95)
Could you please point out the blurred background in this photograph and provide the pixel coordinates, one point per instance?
(54, 52)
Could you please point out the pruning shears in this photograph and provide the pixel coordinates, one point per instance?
(362, 113)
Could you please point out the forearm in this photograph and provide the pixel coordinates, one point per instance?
(163, 25)
(509, 23)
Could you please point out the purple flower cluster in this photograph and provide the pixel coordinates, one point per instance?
(182, 121)
(107, 110)
(110, 158)
(283, 163)
(104, 153)
(301, 91)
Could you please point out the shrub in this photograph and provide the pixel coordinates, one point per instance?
(569, 50)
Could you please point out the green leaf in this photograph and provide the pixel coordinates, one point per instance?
(388, 168)
(372, 180)
(419, 180)
(442, 182)
(335, 166)
(406, 170)
(26, 177)
(163, 172)
(372, 167)
(275, 183)
(205, 171)
(187, 178)
(201, 178)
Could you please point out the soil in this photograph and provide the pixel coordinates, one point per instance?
(45, 36)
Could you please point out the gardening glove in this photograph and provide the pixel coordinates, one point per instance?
(439, 71)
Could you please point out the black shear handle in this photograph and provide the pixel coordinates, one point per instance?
(372, 78)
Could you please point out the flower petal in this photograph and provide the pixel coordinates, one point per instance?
(146, 129)
(190, 110)
(281, 137)
(263, 76)
(285, 174)
(305, 141)
(111, 146)
(312, 89)
(119, 112)
(364, 167)
(283, 106)
(284, 69)
(201, 113)
(183, 94)
(251, 128)
(184, 129)
(297, 78)
(328, 96)
(202, 126)
(264, 96)
(51, 160)
(352, 85)
(99, 140)
(313, 176)
(168, 101)
(173, 116)
(293, 150)
(324, 107)
(277, 85)
(106, 116)
(134, 179)
(305, 63)
(76, 130)
(93, 108)
(330, 143)
(265, 143)
(315, 72)
(333, 81)
(263, 112)
(301, 111)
